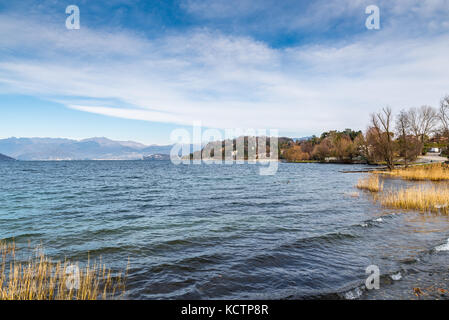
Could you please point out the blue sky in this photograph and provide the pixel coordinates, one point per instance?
(138, 70)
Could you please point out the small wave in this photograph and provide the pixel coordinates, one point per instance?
(19, 237)
(357, 291)
(172, 244)
(188, 264)
(353, 294)
(319, 239)
(443, 247)
(369, 223)
(396, 277)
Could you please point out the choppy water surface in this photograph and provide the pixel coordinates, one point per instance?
(222, 231)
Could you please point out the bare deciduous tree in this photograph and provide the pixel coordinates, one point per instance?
(383, 135)
(444, 115)
(403, 128)
(409, 146)
(423, 121)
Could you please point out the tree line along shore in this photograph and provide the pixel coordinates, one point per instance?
(389, 140)
(404, 138)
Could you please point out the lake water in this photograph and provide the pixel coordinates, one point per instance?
(222, 231)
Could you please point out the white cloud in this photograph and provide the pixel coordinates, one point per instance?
(222, 80)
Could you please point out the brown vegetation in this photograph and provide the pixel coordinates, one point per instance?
(388, 140)
(295, 153)
(371, 183)
(381, 137)
(423, 198)
(432, 172)
(39, 278)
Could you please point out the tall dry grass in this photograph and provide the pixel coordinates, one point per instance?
(39, 278)
(433, 172)
(422, 198)
(371, 183)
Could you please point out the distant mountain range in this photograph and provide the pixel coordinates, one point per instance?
(302, 138)
(87, 149)
(5, 158)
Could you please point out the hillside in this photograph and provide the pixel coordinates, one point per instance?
(233, 153)
(5, 158)
(87, 149)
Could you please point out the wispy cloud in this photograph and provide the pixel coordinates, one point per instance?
(227, 80)
(321, 16)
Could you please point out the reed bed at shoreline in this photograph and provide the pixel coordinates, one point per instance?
(432, 172)
(371, 183)
(40, 278)
(422, 198)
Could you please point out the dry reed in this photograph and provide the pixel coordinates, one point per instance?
(39, 278)
(433, 172)
(370, 183)
(422, 198)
